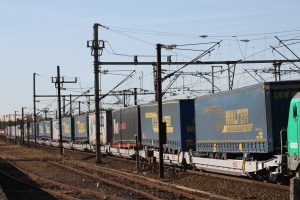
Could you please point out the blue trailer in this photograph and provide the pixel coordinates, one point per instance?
(40, 129)
(244, 120)
(180, 127)
(68, 129)
(81, 128)
(48, 129)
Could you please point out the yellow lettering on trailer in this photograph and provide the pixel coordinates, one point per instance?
(241, 147)
(67, 128)
(80, 127)
(153, 116)
(237, 121)
(281, 95)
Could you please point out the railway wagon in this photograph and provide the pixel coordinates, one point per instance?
(55, 130)
(68, 129)
(26, 131)
(18, 131)
(45, 130)
(126, 126)
(8, 131)
(245, 120)
(105, 128)
(180, 127)
(81, 127)
(31, 131)
(14, 131)
(48, 129)
(40, 128)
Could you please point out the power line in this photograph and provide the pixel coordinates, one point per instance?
(151, 32)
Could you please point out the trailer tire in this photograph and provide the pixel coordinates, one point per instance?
(224, 156)
(218, 155)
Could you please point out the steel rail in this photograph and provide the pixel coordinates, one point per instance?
(59, 184)
(109, 182)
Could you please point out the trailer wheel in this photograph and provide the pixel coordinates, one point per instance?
(224, 156)
(218, 155)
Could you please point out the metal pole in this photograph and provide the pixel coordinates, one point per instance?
(137, 153)
(22, 127)
(59, 110)
(124, 99)
(4, 128)
(28, 127)
(89, 104)
(16, 126)
(46, 111)
(96, 86)
(159, 102)
(34, 110)
(155, 80)
(275, 71)
(9, 124)
(135, 96)
(70, 104)
(279, 73)
(79, 102)
(64, 105)
(228, 69)
(213, 77)
(212, 80)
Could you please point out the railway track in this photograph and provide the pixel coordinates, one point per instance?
(19, 187)
(241, 179)
(191, 171)
(57, 189)
(152, 183)
(142, 187)
(207, 185)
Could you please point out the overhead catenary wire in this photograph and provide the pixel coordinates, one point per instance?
(161, 33)
(287, 47)
(193, 60)
(124, 80)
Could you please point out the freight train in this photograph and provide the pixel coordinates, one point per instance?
(251, 131)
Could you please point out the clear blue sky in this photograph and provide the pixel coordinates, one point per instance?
(36, 36)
